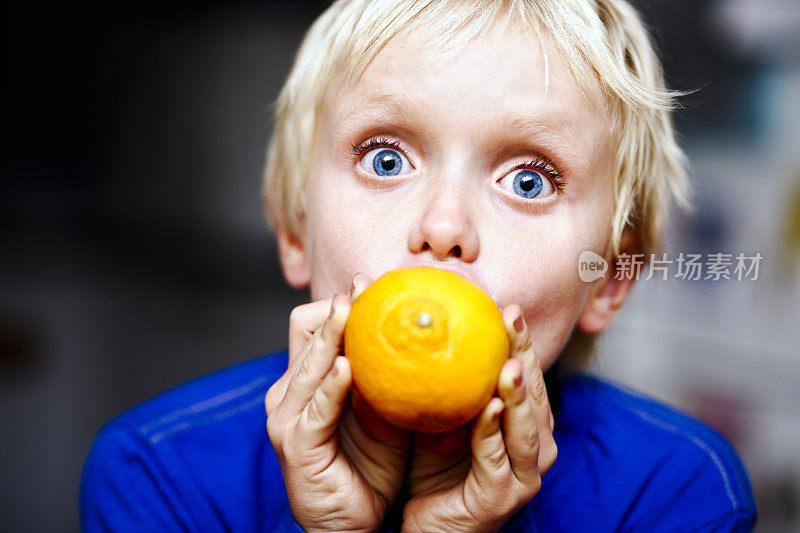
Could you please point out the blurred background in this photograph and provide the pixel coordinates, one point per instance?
(134, 253)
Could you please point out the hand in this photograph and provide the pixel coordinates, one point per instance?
(337, 477)
(512, 447)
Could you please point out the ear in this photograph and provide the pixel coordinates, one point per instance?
(608, 293)
(294, 259)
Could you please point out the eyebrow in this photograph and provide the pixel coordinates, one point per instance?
(399, 107)
(559, 132)
(559, 129)
(534, 126)
(392, 106)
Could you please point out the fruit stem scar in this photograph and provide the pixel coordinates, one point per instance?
(424, 320)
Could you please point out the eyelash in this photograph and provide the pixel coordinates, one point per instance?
(544, 166)
(382, 142)
(540, 164)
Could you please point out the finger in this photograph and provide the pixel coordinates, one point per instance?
(489, 458)
(274, 395)
(320, 417)
(522, 349)
(323, 349)
(359, 285)
(277, 391)
(537, 392)
(304, 320)
(520, 428)
(517, 330)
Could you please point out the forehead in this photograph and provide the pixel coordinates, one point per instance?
(514, 76)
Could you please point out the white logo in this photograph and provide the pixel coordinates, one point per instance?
(591, 266)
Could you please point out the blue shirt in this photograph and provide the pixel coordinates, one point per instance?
(197, 458)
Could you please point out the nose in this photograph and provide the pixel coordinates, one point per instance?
(446, 228)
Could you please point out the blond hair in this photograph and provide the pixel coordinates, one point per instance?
(607, 36)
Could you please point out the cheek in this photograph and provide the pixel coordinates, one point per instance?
(345, 236)
(553, 316)
(328, 232)
(543, 279)
(333, 251)
(552, 301)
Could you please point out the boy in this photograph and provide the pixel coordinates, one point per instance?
(499, 140)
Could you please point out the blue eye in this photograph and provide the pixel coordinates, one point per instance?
(527, 183)
(385, 162)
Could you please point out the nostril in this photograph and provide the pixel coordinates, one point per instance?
(455, 251)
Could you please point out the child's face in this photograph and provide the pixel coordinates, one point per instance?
(451, 129)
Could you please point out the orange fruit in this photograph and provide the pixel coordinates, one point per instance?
(426, 347)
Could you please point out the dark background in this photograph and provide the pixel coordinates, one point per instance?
(133, 249)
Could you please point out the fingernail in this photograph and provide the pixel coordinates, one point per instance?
(496, 415)
(519, 324)
(333, 307)
(353, 286)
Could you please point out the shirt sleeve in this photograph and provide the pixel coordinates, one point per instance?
(288, 524)
(735, 522)
(691, 491)
(126, 488)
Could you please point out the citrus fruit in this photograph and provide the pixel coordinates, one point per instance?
(426, 347)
